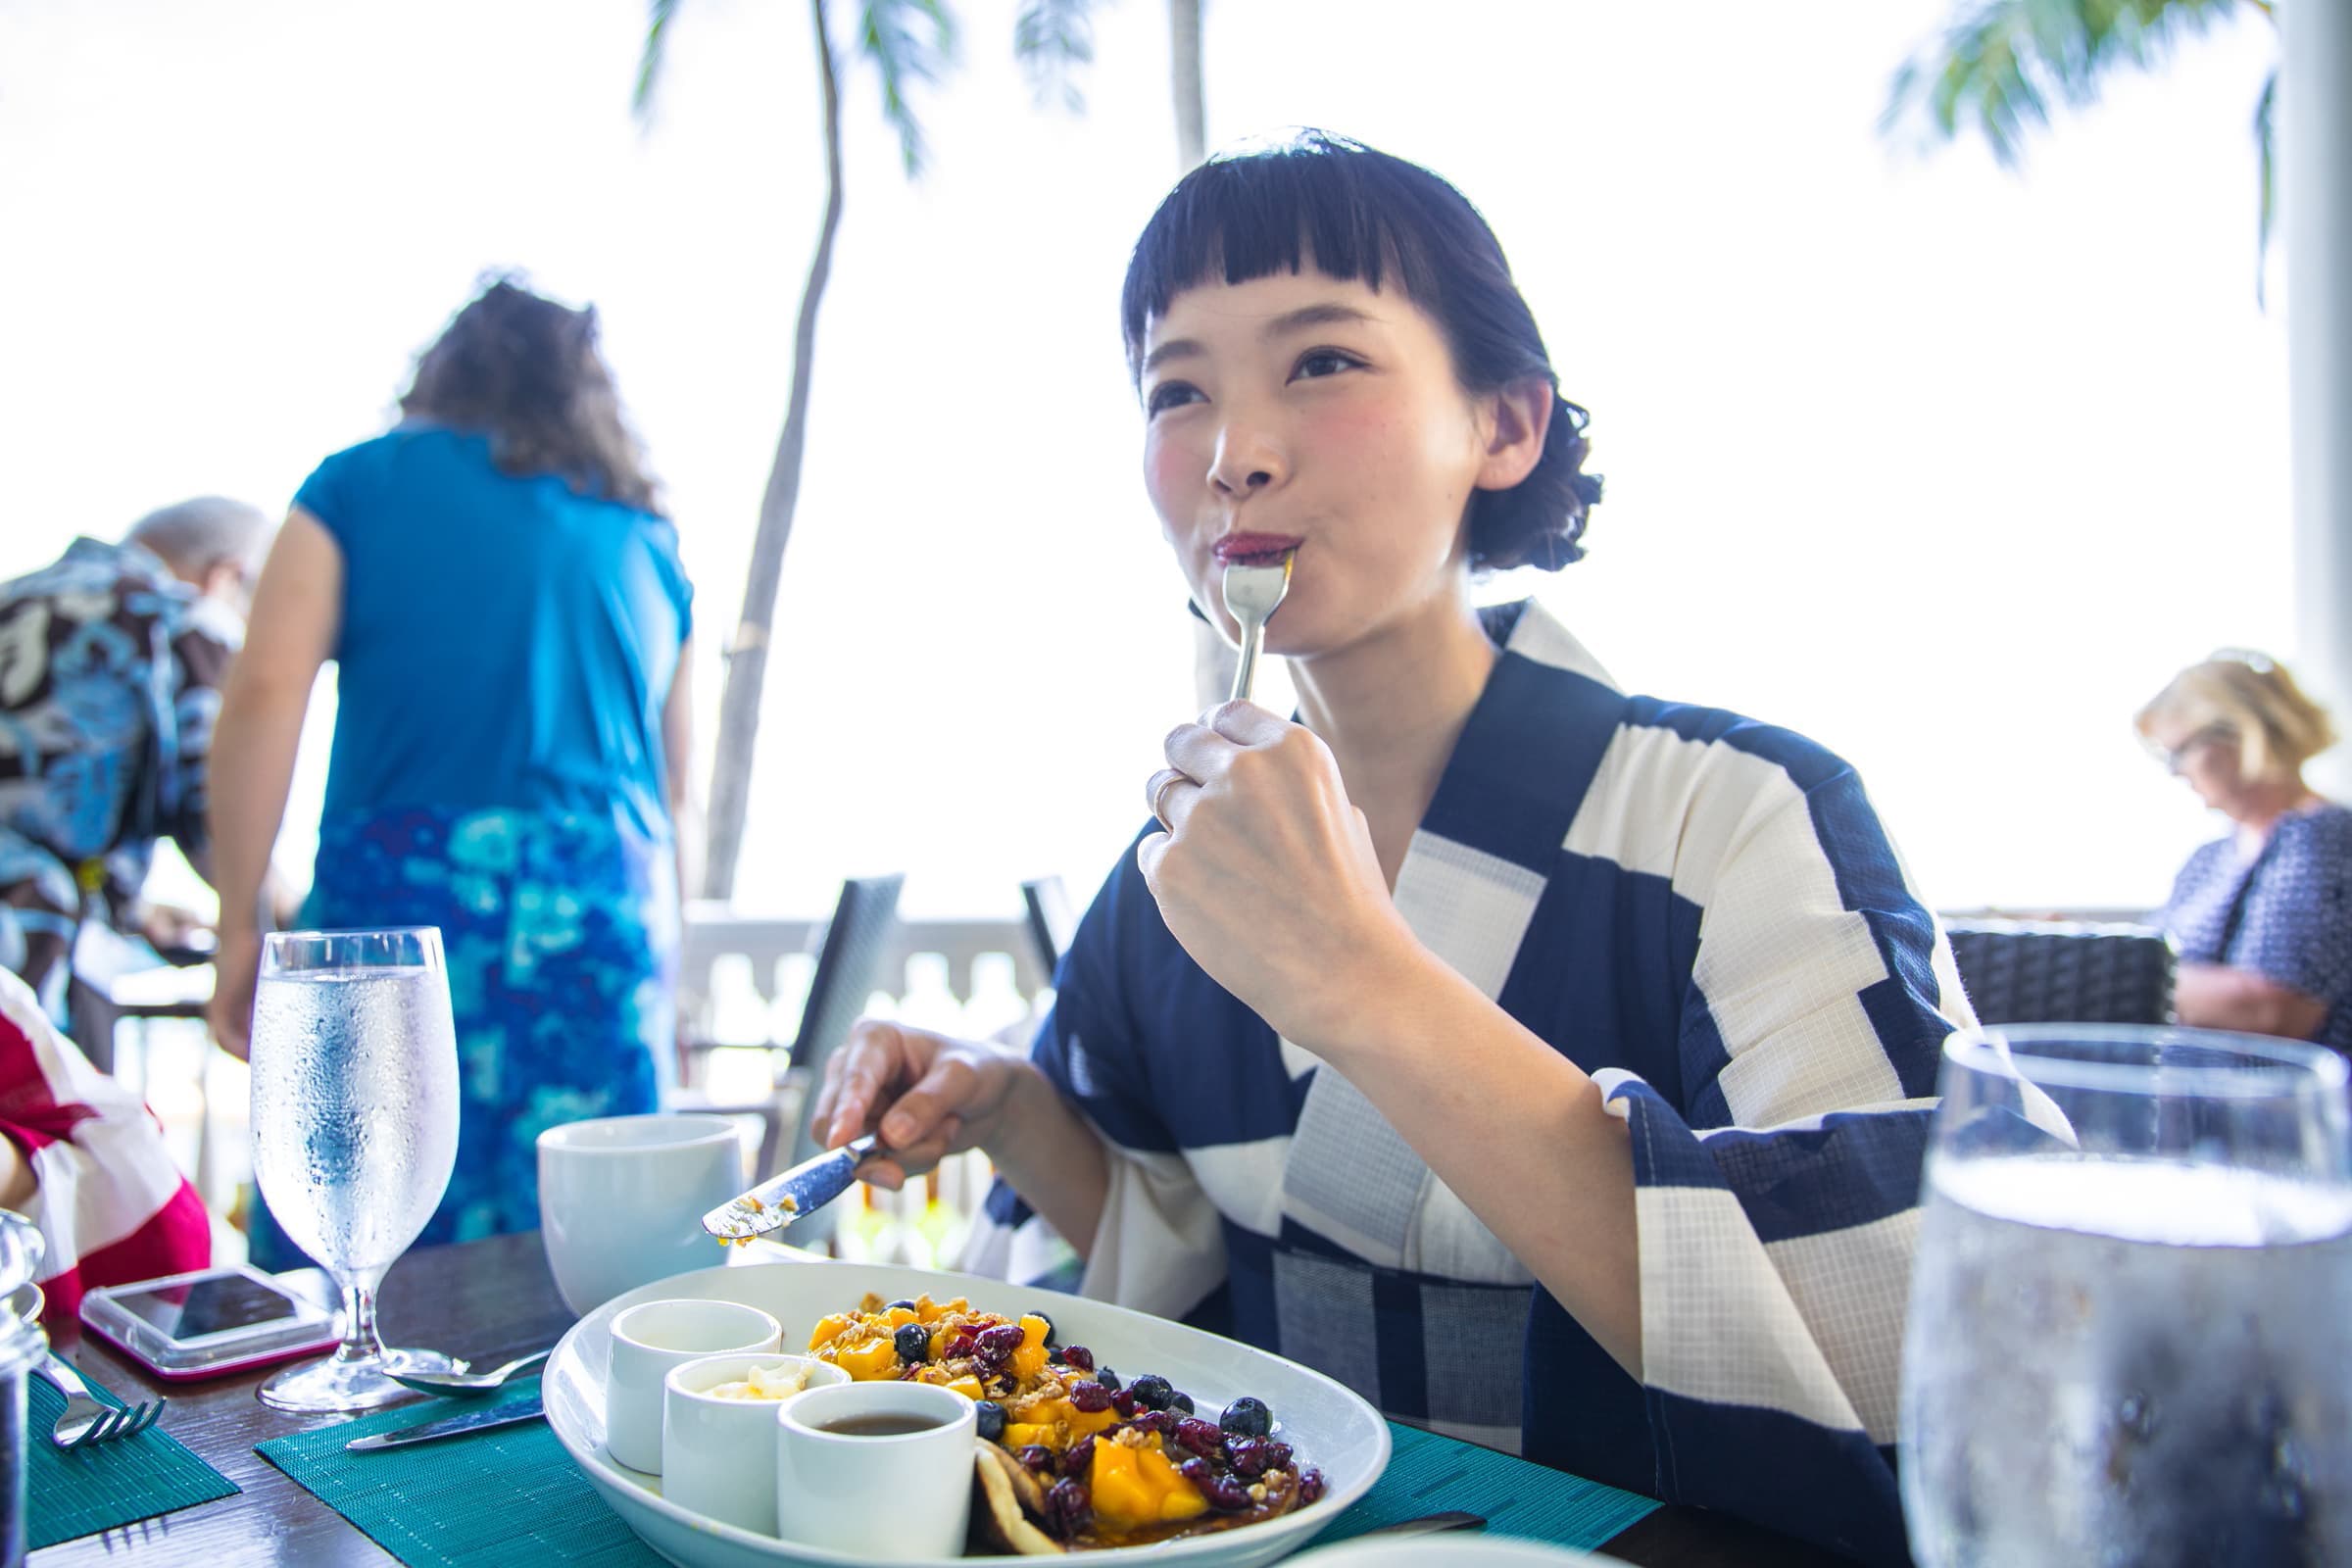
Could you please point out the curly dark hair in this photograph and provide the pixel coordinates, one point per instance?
(527, 372)
(1355, 213)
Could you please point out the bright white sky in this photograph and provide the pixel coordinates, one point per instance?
(1947, 468)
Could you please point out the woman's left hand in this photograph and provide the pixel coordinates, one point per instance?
(1266, 874)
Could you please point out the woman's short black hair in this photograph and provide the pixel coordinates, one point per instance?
(1357, 213)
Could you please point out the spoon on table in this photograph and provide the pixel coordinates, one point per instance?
(467, 1382)
(1254, 584)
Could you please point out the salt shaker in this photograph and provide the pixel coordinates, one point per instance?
(22, 1346)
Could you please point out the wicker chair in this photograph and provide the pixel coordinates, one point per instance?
(2052, 971)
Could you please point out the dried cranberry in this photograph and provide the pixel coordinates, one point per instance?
(1197, 1471)
(1091, 1398)
(1079, 1356)
(1078, 1456)
(1158, 1421)
(1226, 1493)
(998, 1344)
(1248, 1456)
(1277, 1454)
(1071, 1506)
(960, 1342)
(1201, 1437)
(1036, 1458)
(1310, 1484)
(1125, 1402)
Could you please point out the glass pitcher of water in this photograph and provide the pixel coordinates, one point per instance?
(2131, 1329)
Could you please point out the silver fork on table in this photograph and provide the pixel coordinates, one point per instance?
(85, 1421)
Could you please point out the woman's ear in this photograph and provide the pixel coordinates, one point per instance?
(1522, 417)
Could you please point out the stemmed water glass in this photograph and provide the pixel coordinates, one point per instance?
(354, 1130)
(2128, 1339)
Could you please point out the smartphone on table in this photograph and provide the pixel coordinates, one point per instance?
(209, 1323)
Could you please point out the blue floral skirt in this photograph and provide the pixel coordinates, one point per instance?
(560, 934)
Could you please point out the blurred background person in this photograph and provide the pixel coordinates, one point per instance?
(2263, 918)
(83, 1160)
(112, 660)
(504, 601)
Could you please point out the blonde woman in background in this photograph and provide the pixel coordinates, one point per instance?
(2263, 918)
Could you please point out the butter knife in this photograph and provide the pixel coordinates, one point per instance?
(449, 1427)
(780, 1199)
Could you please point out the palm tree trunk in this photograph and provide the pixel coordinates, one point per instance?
(1184, 63)
(747, 656)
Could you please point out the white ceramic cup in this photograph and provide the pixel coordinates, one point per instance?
(890, 1498)
(650, 1338)
(718, 1454)
(621, 1199)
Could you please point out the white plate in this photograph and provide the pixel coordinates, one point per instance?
(1329, 1427)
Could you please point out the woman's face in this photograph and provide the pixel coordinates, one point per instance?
(2205, 757)
(1300, 409)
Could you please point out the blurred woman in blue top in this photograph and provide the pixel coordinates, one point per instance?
(509, 620)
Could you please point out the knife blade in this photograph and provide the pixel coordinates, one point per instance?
(780, 1199)
(449, 1427)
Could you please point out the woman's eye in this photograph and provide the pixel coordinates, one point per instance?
(1323, 362)
(1171, 395)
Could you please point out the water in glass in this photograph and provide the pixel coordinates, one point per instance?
(355, 1119)
(2128, 1333)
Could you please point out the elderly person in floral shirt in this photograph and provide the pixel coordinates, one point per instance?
(111, 663)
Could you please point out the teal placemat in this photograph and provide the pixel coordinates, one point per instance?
(68, 1494)
(512, 1497)
(1428, 1474)
(509, 1495)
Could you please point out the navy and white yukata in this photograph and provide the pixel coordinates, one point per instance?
(1701, 911)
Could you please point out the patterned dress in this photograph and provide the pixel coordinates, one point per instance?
(2283, 910)
(110, 680)
(499, 772)
(1701, 911)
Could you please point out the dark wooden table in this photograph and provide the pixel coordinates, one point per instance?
(490, 1300)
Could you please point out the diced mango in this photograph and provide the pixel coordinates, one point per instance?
(870, 1362)
(1135, 1487)
(1033, 1330)
(1026, 1362)
(900, 1316)
(826, 1328)
(969, 1388)
(1021, 1434)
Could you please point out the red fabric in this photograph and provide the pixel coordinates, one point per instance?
(176, 1239)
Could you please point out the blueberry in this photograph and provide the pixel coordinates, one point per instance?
(991, 1415)
(1093, 1398)
(1079, 1356)
(1107, 1378)
(1053, 1357)
(1036, 1458)
(1247, 1418)
(1153, 1391)
(1049, 1322)
(912, 1341)
(905, 1306)
(1181, 1401)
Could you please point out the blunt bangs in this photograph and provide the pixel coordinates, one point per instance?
(1360, 214)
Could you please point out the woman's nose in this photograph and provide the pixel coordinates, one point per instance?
(1246, 461)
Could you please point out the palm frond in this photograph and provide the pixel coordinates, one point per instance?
(1052, 39)
(2265, 150)
(910, 43)
(2001, 66)
(659, 14)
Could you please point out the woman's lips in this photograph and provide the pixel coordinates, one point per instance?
(1255, 549)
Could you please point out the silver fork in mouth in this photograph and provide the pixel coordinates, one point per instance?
(1252, 590)
(85, 1421)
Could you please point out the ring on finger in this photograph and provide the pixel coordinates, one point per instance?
(1167, 779)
